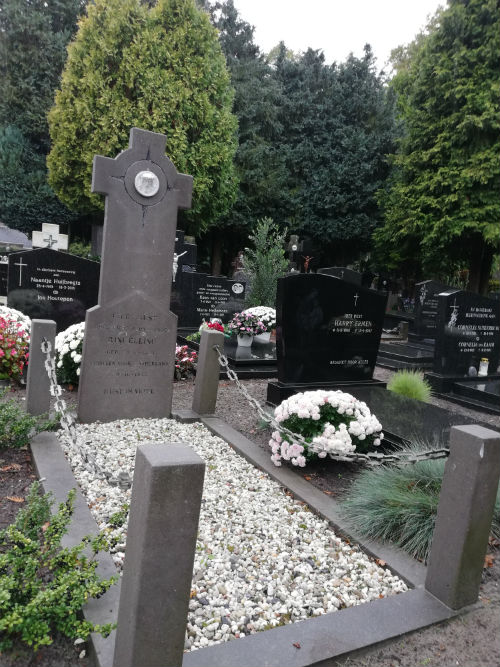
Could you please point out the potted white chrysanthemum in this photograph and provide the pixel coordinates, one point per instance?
(267, 316)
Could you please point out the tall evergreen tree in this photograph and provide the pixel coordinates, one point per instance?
(33, 39)
(157, 67)
(338, 124)
(259, 163)
(442, 203)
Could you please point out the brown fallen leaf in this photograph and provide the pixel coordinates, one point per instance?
(380, 562)
(308, 477)
(296, 644)
(12, 466)
(15, 499)
(329, 493)
(489, 559)
(45, 526)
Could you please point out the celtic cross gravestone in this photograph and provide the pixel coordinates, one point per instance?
(129, 348)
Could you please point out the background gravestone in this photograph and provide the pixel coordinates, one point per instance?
(328, 333)
(47, 284)
(200, 297)
(129, 347)
(342, 272)
(426, 307)
(468, 329)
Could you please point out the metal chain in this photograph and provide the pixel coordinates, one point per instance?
(123, 480)
(371, 458)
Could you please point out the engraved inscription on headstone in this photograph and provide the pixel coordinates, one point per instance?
(46, 284)
(202, 297)
(468, 330)
(129, 347)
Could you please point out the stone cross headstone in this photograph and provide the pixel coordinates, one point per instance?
(50, 237)
(129, 347)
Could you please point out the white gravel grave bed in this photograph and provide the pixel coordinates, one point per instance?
(262, 558)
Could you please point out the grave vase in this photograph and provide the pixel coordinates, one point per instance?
(263, 337)
(245, 341)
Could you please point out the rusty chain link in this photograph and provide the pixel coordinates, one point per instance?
(123, 480)
(371, 458)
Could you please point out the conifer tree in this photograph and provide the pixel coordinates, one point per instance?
(442, 206)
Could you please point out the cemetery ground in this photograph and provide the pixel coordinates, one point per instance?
(471, 640)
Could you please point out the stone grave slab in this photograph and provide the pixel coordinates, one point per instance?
(343, 273)
(128, 352)
(327, 335)
(51, 285)
(426, 307)
(129, 349)
(202, 297)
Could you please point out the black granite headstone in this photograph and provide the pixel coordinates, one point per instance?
(342, 272)
(426, 307)
(186, 254)
(53, 285)
(327, 329)
(468, 329)
(201, 297)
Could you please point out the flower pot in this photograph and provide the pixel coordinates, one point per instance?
(263, 337)
(245, 341)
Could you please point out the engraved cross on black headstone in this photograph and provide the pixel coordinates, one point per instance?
(143, 193)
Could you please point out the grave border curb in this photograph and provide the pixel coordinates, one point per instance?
(321, 639)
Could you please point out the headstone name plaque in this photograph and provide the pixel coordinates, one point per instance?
(129, 347)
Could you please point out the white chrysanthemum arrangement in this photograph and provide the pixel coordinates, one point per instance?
(69, 345)
(331, 422)
(265, 314)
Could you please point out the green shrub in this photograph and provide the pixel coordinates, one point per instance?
(399, 504)
(265, 263)
(43, 586)
(17, 427)
(410, 384)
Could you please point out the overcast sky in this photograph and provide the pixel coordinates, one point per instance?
(337, 26)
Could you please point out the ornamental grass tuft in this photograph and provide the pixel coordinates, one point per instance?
(399, 504)
(410, 384)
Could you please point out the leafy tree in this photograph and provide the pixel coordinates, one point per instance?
(338, 124)
(157, 67)
(441, 205)
(26, 199)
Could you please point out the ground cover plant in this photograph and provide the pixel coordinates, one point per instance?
(399, 504)
(410, 384)
(42, 585)
(17, 427)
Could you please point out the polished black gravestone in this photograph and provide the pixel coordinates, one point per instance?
(343, 273)
(468, 330)
(52, 285)
(128, 359)
(328, 334)
(405, 356)
(201, 297)
(426, 308)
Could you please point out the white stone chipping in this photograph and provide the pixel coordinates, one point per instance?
(262, 558)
